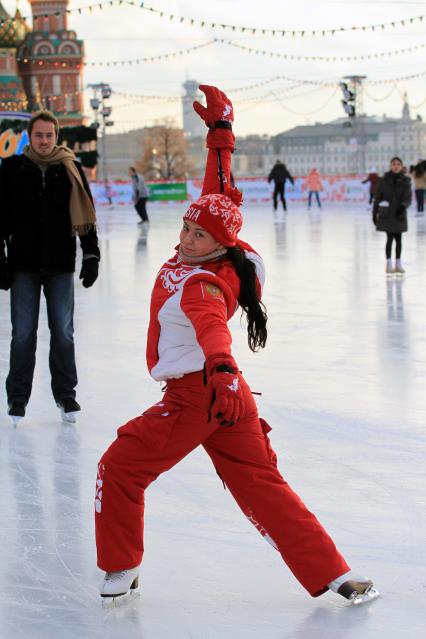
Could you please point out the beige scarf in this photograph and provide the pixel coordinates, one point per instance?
(83, 215)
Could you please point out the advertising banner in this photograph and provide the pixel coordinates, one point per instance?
(335, 189)
(168, 191)
(13, 134)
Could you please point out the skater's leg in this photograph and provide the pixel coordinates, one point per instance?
(59, 294)
(388, 248)
(282, 198)
(24, 310)
(145, 447)
(275, 196)
(309, 199)
(318, 199)
(245, 461)
(398, 245)
(419, 199)
(142, 209)
(139, 208)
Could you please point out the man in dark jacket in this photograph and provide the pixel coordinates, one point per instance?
(391, 200)
(279, 175)
(45, 202)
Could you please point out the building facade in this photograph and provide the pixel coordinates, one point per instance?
(336, 148)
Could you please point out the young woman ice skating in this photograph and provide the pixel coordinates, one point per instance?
(207, 400)
(391, 200)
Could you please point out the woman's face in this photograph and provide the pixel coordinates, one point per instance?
(396, 166)
(195, 241)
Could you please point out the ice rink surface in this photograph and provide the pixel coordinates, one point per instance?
(343, 383)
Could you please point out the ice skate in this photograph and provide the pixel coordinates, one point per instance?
(398, 270)
(118, 587)
(16, 410)
(389, 269)
(69, 409)
(358, 592)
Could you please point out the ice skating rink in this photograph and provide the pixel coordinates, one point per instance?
(343, 383)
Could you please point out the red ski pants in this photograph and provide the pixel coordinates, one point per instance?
(242, 455)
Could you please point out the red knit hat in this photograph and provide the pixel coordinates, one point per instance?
(218, 215)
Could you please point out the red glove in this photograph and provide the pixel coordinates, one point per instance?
(219, 116)
(224, 399)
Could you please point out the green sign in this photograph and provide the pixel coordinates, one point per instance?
(168, 191)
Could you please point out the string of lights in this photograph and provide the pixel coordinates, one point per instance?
(299, 33)
(328, 58)
(382, 99)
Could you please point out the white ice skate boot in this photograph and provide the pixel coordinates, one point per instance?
(398, 270)
(119, 586)
(389, 269)
(16, 410)
(356, 589)
(69, 409)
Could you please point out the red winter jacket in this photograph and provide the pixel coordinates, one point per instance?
(190, 308)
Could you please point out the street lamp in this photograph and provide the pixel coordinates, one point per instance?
(102, 112)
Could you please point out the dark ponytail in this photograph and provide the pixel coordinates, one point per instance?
(248, 298)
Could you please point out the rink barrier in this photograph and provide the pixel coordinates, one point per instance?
(336, 188)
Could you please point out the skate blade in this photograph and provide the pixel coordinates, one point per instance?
(109, 603)
(360, 598)
(69, 418)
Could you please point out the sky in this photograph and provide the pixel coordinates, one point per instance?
(264, 101)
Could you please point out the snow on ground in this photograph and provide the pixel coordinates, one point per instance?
(343, 385)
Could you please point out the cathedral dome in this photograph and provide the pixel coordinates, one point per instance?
(12, 30)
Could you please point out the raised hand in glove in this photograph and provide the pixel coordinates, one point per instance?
(219, 116)
(5, 275)
(224, 393)
(89, 271)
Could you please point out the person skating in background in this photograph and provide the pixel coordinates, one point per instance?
(373, 179)
(418, 173)
(45, 203)
(313, 185)
(139, 194)
(391, 200)
(207, 400)
(279, 175)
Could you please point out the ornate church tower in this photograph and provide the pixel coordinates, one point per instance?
(51, 63)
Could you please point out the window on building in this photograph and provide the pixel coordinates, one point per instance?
(56, 85)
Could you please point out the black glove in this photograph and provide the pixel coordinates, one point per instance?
(89, 271)
(5, 275)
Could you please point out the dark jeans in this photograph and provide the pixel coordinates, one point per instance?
(279, 191)
(140, 207)
(398, 241)
(25, 296)
(420, 198)
(311, 193)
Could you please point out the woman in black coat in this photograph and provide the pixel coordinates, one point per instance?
(391, 200)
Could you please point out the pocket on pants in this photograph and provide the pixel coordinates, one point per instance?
(154, 427)
(267, 429)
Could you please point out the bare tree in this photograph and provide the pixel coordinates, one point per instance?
(164, 153)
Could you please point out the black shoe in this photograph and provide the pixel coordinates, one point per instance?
(16, 410)
(69, 409)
